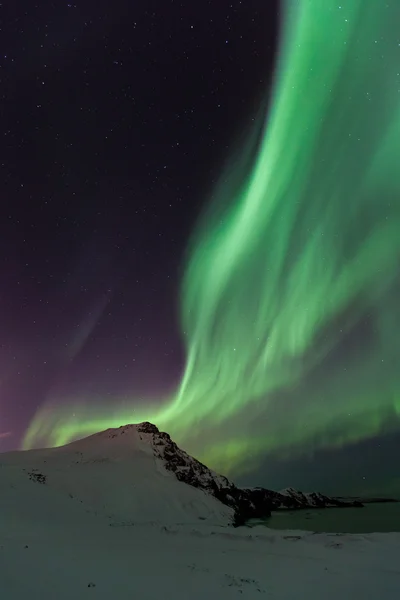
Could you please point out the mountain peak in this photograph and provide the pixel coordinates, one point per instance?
(247, 503)
(138, 472)
(144, 427)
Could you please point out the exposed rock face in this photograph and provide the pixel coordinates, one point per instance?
(294, 499)
(248, 503)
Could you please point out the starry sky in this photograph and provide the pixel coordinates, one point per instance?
(117, 118)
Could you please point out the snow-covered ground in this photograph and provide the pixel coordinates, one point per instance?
(101, 518)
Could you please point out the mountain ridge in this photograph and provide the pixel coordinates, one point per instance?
(135, 473)
(247, 503)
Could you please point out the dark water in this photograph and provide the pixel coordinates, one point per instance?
(372, 518)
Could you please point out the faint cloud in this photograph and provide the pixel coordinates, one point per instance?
(6, 434)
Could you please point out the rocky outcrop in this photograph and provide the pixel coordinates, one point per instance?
(247, 503)
(294, 499)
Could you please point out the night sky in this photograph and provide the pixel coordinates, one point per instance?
(116, 120)
(116, 117)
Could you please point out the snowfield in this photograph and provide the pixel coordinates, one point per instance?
(101, 518)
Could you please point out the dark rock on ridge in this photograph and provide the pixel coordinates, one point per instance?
(247, 503)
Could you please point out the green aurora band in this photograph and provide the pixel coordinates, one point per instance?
(298, 251)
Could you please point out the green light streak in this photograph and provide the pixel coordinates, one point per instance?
(291, 256)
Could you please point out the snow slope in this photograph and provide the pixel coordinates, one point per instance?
(102, 518)
(113, 474)
(77, 561)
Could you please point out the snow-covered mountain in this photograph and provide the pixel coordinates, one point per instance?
(126, 513)
(114, 475)
(137, 474)
(248, 503)
(290, 498)
(294, 499)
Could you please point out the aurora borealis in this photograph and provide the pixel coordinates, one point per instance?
(298, 246)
